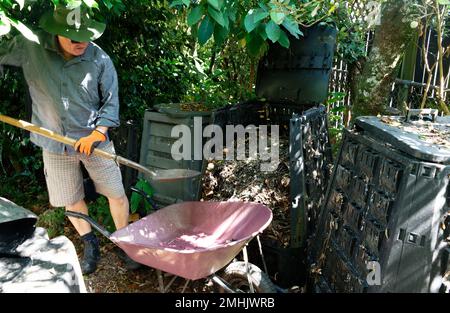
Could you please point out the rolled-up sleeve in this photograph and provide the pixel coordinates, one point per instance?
(108, 114)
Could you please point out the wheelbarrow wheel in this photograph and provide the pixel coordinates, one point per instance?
(235, 275)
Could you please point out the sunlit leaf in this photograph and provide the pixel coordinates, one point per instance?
(26, 32)
(277, 16)
(5, 26)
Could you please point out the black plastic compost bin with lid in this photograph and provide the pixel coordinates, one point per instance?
(299, 75)
(382, 228)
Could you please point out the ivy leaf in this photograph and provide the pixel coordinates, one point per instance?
(186, 2)
(195, 15)
(273, 31)
(205, 30)
(217, 16)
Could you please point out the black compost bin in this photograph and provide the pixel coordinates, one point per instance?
(385, 209)
(300, 74)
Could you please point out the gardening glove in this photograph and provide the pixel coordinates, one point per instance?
(87, 144)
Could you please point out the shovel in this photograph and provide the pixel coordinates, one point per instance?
(156, 175)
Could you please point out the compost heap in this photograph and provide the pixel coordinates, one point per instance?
(244, 181)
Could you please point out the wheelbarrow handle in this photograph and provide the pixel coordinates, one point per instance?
(88, 219)
(146, 196)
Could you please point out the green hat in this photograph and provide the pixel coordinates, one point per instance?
(73, 23)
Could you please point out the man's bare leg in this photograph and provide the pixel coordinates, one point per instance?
(91, 246)
(80, 225)
(119, 211)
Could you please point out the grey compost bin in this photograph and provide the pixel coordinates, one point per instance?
(156, 150)
(384, 226)
(29, 261)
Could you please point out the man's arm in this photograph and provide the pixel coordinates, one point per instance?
(109, 97)
(109, 111)
(11, 51)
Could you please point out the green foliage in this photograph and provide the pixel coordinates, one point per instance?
(335, 114)
(253, 22)
(137, 201)
(10, 12)
(157, 62)
(100, 212)
(53, 220)
(149, 52)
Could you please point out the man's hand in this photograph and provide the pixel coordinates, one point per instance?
(87, 144)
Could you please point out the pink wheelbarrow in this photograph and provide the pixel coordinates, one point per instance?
(194, 240)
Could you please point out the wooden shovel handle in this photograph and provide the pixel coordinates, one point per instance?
(71, 142)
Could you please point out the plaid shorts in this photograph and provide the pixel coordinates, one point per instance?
(65, 179)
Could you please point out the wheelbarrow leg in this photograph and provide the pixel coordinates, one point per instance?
(262, 254)
(160, 281)
(185, 285)
(170, 283)
(244, 252)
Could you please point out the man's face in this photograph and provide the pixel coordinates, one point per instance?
(71, 47)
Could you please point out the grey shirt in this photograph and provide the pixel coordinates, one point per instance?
(71, 97)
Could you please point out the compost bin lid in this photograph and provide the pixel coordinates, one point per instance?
(183, 110)
(425, 140)
(16, 225)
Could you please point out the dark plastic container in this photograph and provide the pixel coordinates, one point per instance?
(156, 151)
(386, 202)
(299, 75)
(310, 161)
(310, 169)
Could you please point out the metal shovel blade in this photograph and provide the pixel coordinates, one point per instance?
(173, 175)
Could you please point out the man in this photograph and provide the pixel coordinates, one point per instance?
(74, 90)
